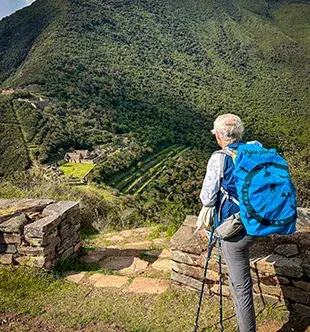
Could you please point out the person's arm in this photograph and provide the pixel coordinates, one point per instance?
(209, 192)
(212, 181)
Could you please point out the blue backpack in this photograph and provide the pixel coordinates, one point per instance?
(266, 193)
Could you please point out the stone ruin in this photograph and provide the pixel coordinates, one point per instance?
(280, 265)
(38, 232)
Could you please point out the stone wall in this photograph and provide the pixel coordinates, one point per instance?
(38, 232)
(280, 265)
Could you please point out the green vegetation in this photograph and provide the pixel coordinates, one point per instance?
(76, 170)
(293, 20)
(156, 75)
(28, 292)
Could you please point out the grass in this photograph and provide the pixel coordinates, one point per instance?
(77, 170)
(92, 188)
(29, 292)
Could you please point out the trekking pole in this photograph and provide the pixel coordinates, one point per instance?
(220, 282)
(204, 277)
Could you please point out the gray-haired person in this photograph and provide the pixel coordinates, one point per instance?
(228, 130)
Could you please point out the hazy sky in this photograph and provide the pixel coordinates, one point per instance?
(7, 7)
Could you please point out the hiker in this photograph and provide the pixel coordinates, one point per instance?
(228, 130)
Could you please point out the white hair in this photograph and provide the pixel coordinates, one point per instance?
(229, 127)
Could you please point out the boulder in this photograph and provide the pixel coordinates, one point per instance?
(287, 250)
(185, 240)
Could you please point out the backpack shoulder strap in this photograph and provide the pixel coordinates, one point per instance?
(224, 152)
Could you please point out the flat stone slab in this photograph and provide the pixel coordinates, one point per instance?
(11, 207)
(94, 278)
(14, 225)
(125, 265)
(148, 286)
(60, 208)
(111, 281)
(162, 264)
(75, 277)
(138, 245)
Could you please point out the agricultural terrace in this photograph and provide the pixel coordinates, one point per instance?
(136, 178)
(76, 170)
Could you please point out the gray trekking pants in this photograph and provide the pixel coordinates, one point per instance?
(236, 254)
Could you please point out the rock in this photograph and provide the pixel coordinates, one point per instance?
(8, 248)
(192, 271)
(190, 221)
(12, 207)
(75, 277)
(295, 294)
(160, 242)
(125, 265)
(186, 241)
(279, 265)
(6, 238)
(303, 221)
(225, 290)
(6, 259)
(111, 281)
(281, 280)
(115, 238)
(14, 225)
(94, 278)
(165, 253)
(42, 242)
(306, 267)
(138, 245)
(142, 230)
(40, 251)
(188, 281)
(162, 265)
(62, 208)
(40, 227)
(78, 246)
(127, 233)
(302, 309)
(287, 250)
(268, 290)
(31, 261)
(68, 253)
(302, 285)
(182, 257)
(148, 285)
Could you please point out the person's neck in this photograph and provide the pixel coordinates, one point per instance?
(224, 144)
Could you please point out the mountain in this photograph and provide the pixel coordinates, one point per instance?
(158, 72)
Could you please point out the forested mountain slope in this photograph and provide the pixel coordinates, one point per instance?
(161, 71)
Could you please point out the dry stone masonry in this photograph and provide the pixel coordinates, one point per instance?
(280, 265)
(38, 232)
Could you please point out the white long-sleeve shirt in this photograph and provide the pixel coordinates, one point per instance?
(212, 181)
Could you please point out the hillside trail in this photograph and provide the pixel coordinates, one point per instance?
(138, 261)
(135, 261)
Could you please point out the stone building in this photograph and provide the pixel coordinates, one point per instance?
(81, 156)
